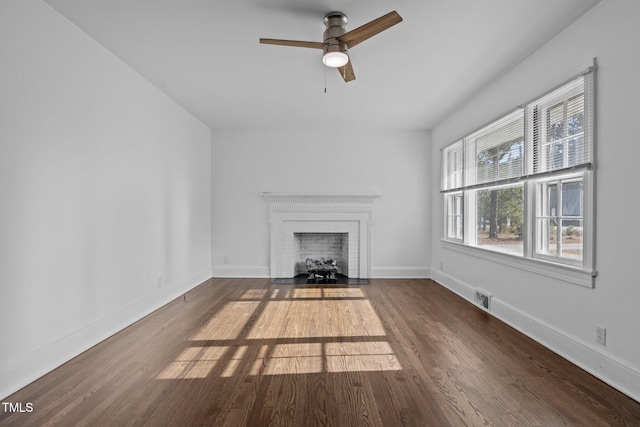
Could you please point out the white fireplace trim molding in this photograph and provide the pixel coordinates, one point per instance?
(295, 213)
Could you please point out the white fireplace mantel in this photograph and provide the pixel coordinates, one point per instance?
(348, 213)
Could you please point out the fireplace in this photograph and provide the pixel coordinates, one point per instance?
(348, 218)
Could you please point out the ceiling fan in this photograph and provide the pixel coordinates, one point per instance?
(337, 41)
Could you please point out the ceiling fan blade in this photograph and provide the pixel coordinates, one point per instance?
(294, 43)
(347, 72)
(360, 34)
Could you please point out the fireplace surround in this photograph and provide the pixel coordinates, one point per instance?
(349, 215)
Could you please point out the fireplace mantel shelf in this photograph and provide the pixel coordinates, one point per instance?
(319, 198)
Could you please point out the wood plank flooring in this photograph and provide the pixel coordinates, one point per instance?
(246, 352)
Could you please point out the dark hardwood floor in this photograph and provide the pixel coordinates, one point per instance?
(246, 352)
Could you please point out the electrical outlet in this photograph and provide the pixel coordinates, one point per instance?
(601, 335)
(226, 260)
(159, 282)
(442, 266)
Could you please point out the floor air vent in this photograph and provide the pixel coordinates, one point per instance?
(483, 299)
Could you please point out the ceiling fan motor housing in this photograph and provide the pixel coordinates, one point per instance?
(335, 22)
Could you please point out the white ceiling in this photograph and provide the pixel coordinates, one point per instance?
(205, 55)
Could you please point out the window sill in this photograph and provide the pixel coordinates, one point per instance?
(557, 271)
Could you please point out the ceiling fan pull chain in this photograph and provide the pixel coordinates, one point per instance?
(325, 79)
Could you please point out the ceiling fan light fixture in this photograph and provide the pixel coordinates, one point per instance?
(335, 59)
(336, 41)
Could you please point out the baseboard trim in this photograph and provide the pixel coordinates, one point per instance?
(22, 371)
(606, 367)
(240, 271)
(401, 272)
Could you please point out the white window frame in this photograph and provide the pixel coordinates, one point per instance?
(540, 232)
(470, 222)
(454, 227)
(576, 271)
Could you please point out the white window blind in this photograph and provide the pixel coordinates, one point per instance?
(492, 155)
(452, 166)
(560, 136)
(495, 153)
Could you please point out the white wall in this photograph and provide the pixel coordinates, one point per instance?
(561, 315)
(105, 188)
(394, 164)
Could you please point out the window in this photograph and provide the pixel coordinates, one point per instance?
(454, 216)
(499, 214)
(522, 185)
(559, 219)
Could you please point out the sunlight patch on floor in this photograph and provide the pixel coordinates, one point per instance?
(254, 294)
(227, 323)
(367, 356)
(311, 330)
(288, 359)
(193, 362)
(370, 356)
(198, 362)
(322, 318)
